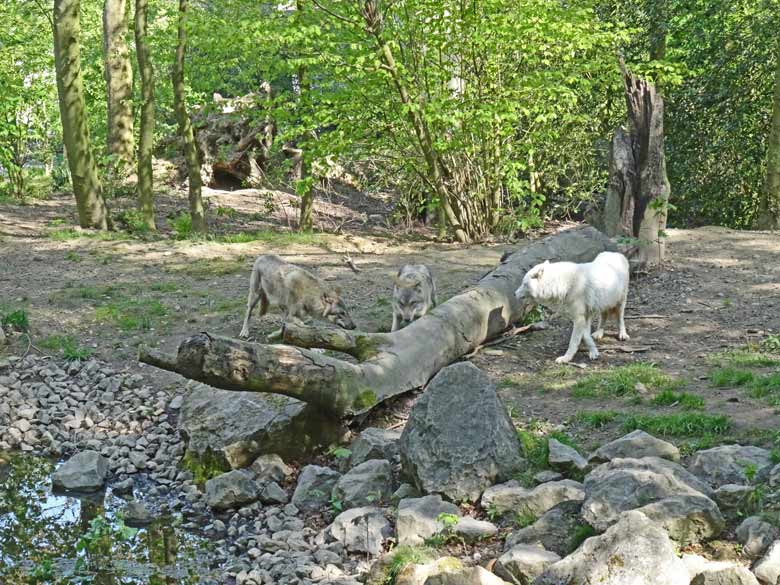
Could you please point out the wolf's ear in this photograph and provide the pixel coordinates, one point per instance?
(540, 270)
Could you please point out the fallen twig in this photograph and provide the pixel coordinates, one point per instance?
(538, 326)
(349, 262)
(646, 317)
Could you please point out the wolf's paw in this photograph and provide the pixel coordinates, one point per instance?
(598, 334)
(564, 359)
(244, 333)
(623, 336)
(593, 354)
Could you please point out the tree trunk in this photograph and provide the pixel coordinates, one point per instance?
(87, 189)
(119, 86)
(638, 191)
(389, 363)
(146, 134)
(769, 207)
(185, 125)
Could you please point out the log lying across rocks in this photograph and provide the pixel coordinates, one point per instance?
(388, 364)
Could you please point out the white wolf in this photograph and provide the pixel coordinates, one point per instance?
(582, 292)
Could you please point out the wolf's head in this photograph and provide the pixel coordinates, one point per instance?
(335, 310)
(528, 292)
(410, 297)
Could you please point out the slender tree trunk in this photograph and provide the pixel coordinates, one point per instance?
(146, 135)
(119, 86)
(306, 188)
(185, 125)
(92, 209)
(769, 208)
(388, 364)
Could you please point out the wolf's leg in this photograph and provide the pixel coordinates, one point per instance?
(578, 330)
(395, 322)
(601, 319)
(255, 295)
(622, 335)
(593, 351)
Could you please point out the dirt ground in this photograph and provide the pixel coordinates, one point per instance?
(720, 289)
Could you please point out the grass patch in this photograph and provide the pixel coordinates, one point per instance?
(205, 268)
(165, 287)
(271, 237)
(132, 314)
(730, 377)
(679, 424)
(67, 346)
(683, 399)
(535, 449)
(622, 381)
(403, 556)
(595, 419)
(580, 535)
(767, 387)
(181, 226)
(65, 234)
(747, 358)
(16, 319)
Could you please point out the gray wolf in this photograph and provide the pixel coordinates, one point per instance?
(414, 294)
(296, 291)
(582, 292)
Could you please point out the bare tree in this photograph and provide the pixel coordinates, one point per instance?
(146, 134)
(118, 72)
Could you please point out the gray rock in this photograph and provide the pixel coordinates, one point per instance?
(555, 530)
(121, 488)
(314, 488)
(696, 565)
(231, 429)
(270, 467)
(755, 535)
(466, 576)
(733, 575)
(84, 472)
(369, 483)
(730, 464)
(232, 490)
(511, 497)
(524, 563)
(774, 476)
(547, 475)
(731, 498)
(687, 519)
(459, 438)
(375, 443)
(635, 445)
(272, 493)
(633, 550)
(473, 530)
(361, 530)
(404, 491)
(136, 514)
(418, 574)
(418, 519)
(564, 458)
(767, 570)
(627, 484)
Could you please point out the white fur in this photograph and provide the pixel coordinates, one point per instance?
(581, 292)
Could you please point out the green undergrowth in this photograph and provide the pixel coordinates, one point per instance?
(684, 400)
(679, 425)
(761, 386)
(622, 382)
(67, 346)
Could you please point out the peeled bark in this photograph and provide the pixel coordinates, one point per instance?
(185, 125)
(388, 363)
(638, 192)
(146, 134)
(119, 85)
(92, 209)
(769, 207)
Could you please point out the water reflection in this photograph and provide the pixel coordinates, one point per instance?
(66, 540)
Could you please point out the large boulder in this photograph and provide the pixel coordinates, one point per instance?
(375, 443)
(459, 438)
(232, 490)
(564, 458)
(467, 576)
(315, 486)
(228, 430)
(370, 483)
(633, 551)
(524, 563)
(84, 472)
(755, 535)
(419, 519)
(361, 530)
(687, 519)
(512, 497)
(731, 464)
(768, 568)
(636, 444)
(556, 530)
(627, 484)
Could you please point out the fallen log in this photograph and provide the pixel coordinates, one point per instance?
(388, 363)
